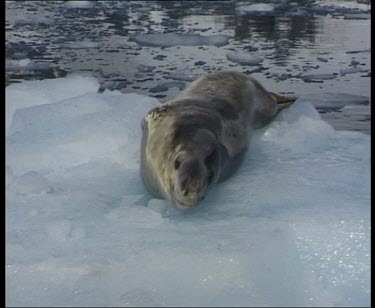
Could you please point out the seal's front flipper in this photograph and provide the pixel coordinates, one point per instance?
(229, 164)
(283, 101)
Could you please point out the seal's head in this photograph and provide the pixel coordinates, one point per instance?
(196, 165)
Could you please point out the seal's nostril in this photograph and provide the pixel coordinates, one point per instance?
(183, 184)
(186, 192)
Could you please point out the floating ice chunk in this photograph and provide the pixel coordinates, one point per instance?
(165, 86)
(244, 58)
(183, 76)
(78, 4)
(170, 23)
(256, 8)
(33, 21)
(358, 51)
(173, 39)
(348, 6)
(113, 85)
(351, 70)
(26, 65)
(82, 44)
(19, 55)
(357, 16)
(145, 68)
(14, 64)
(329, 100)
(216, 40)
(318, 77)
(31, 182)
(159, 57)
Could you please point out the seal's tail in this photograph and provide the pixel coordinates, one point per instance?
(283, 101)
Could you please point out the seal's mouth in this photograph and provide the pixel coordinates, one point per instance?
(185, 203)
(183, 206)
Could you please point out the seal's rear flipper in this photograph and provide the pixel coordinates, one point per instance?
(283, 101)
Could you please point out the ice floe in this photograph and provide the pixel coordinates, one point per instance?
(290, 228)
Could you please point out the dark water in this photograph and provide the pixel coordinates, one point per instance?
(307, 47)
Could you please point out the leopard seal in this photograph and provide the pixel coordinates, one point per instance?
(199, 139)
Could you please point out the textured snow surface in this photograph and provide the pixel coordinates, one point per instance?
(291, 228)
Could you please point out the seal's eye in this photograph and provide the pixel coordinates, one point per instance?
(210, 157)
(177, 163)
(210, 177)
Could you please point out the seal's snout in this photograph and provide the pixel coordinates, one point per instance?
(190, 188)
(189, 185)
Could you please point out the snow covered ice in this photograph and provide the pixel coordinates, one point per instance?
(291, 228)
